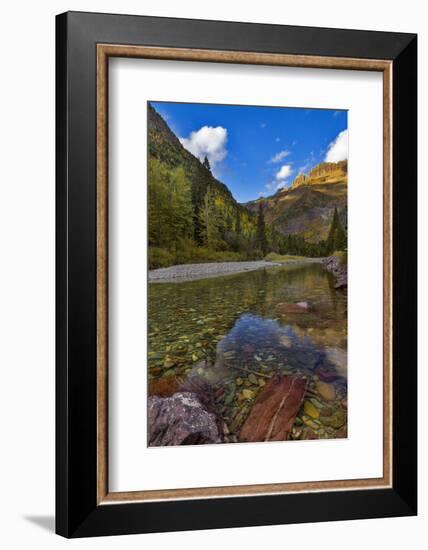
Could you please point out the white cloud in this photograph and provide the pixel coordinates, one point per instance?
(284, 172)
(338, 148)
(207, 142)
(279, 157)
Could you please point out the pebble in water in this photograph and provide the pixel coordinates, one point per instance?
(214, 328)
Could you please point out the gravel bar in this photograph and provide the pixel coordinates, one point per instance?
(192, 272)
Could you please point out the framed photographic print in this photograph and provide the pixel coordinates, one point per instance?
(236, 274)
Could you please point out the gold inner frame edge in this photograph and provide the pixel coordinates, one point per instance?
(104, 51)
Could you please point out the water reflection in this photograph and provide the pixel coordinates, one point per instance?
(235, 333)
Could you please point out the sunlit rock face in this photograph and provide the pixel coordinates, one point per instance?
(306, 207)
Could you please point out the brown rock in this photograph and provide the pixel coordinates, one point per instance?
(342, 433)
(284, 308)
(326, 391)
(336, 420)
(272, 416)
(163, 387)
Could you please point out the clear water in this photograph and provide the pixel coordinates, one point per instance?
(229, 331)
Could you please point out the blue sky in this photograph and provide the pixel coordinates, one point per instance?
(256, 150)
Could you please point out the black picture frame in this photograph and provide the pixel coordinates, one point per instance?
(77, 512)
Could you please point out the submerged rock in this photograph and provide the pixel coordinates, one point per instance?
(339, 270)
(181, 420)
(284, 308)
(326, 374)
(163, 387)
(326, 391)
(336, 420)
(311, 410)
(273, 414)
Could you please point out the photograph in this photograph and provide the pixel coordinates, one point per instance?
(213, 268)
(247, 273)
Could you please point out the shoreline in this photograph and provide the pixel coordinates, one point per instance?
(194, 272)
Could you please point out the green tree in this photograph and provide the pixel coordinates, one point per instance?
(170, 205)
(275, 240)
(238, 222)
(332, 231)
(341, 240)
(336, 239)
(261, 241)
(210, 220)
(207, 165)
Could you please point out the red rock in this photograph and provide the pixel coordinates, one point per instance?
(163, 387)
(310, 434)
(284, 308)
(342, 433)
(273, 414)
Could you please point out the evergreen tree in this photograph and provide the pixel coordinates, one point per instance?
(200, 183)
(238, 222)
(341, 240)
(336, 239)
(207, 165)
(210, 220)
(275, 243)
(170, 205)
(332, 232)
(261, 241)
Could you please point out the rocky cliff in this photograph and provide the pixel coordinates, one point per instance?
(307, 206)
(325, 172)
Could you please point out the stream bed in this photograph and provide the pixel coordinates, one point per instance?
(234, 333)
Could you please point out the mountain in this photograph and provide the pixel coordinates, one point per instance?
(164, 146)
(192, 215)
(325, 172)
(306, 208)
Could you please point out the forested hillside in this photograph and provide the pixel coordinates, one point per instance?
(193, 217)
(306, 208)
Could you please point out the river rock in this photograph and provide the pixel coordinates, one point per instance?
(310, 409)
(248, 394)
(326, 391)
(326, 374)
(336, 420)
(284, 308)
(163, 387)
(339, 270)
(273, 414)
(252, 378)
(341, 281)
(181, 420)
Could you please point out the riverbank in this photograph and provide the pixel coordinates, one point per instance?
(337, 265)
(193, 272)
